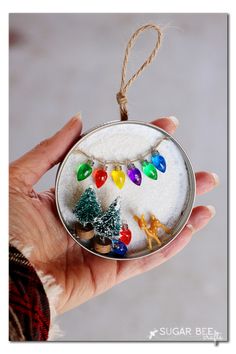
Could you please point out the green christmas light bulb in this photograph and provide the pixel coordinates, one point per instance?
(149, 170)
(84, 170)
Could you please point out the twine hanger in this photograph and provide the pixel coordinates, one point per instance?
(121, 95)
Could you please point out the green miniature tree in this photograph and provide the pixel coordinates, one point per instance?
(108, 224)
(88, 207)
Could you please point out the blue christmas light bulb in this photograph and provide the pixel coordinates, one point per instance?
(158, 161)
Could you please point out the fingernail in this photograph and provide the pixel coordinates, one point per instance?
(77, 116)
(216, 178)
(190, 227)
(212, 210)
(174, 120)
(74, 120)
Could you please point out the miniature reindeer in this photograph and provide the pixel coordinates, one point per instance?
(151, 232)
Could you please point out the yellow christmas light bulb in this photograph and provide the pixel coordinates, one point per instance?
(118, 177)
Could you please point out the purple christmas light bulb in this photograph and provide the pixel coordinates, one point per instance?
(134, 174)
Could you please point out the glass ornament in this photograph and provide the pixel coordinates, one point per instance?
(118, 247)
(125, 234)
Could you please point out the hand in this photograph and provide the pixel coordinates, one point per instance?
(34, 223)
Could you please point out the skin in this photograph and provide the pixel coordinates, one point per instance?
(34, 222)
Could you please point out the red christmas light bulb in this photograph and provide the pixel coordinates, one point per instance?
(125, 234)
(100, 177)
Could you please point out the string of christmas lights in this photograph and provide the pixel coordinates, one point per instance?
(149, 168)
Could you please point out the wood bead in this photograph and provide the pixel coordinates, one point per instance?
(101, 245)
(84, 233)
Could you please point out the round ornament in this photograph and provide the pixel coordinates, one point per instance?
(156, 209)
(119, 248)
(125, 170)
(125, 234)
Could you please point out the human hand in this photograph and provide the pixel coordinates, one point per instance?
(34, 222)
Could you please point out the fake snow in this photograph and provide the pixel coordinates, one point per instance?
(165, 197)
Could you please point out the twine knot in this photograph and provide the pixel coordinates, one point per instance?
(121, 98)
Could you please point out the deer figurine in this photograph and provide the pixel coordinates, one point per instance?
(151, 231)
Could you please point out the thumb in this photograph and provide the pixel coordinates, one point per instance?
(29, 168)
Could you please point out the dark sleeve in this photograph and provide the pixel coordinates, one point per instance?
(29, 314)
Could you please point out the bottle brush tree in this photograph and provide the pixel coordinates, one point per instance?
(87, 207)
(108, 224)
